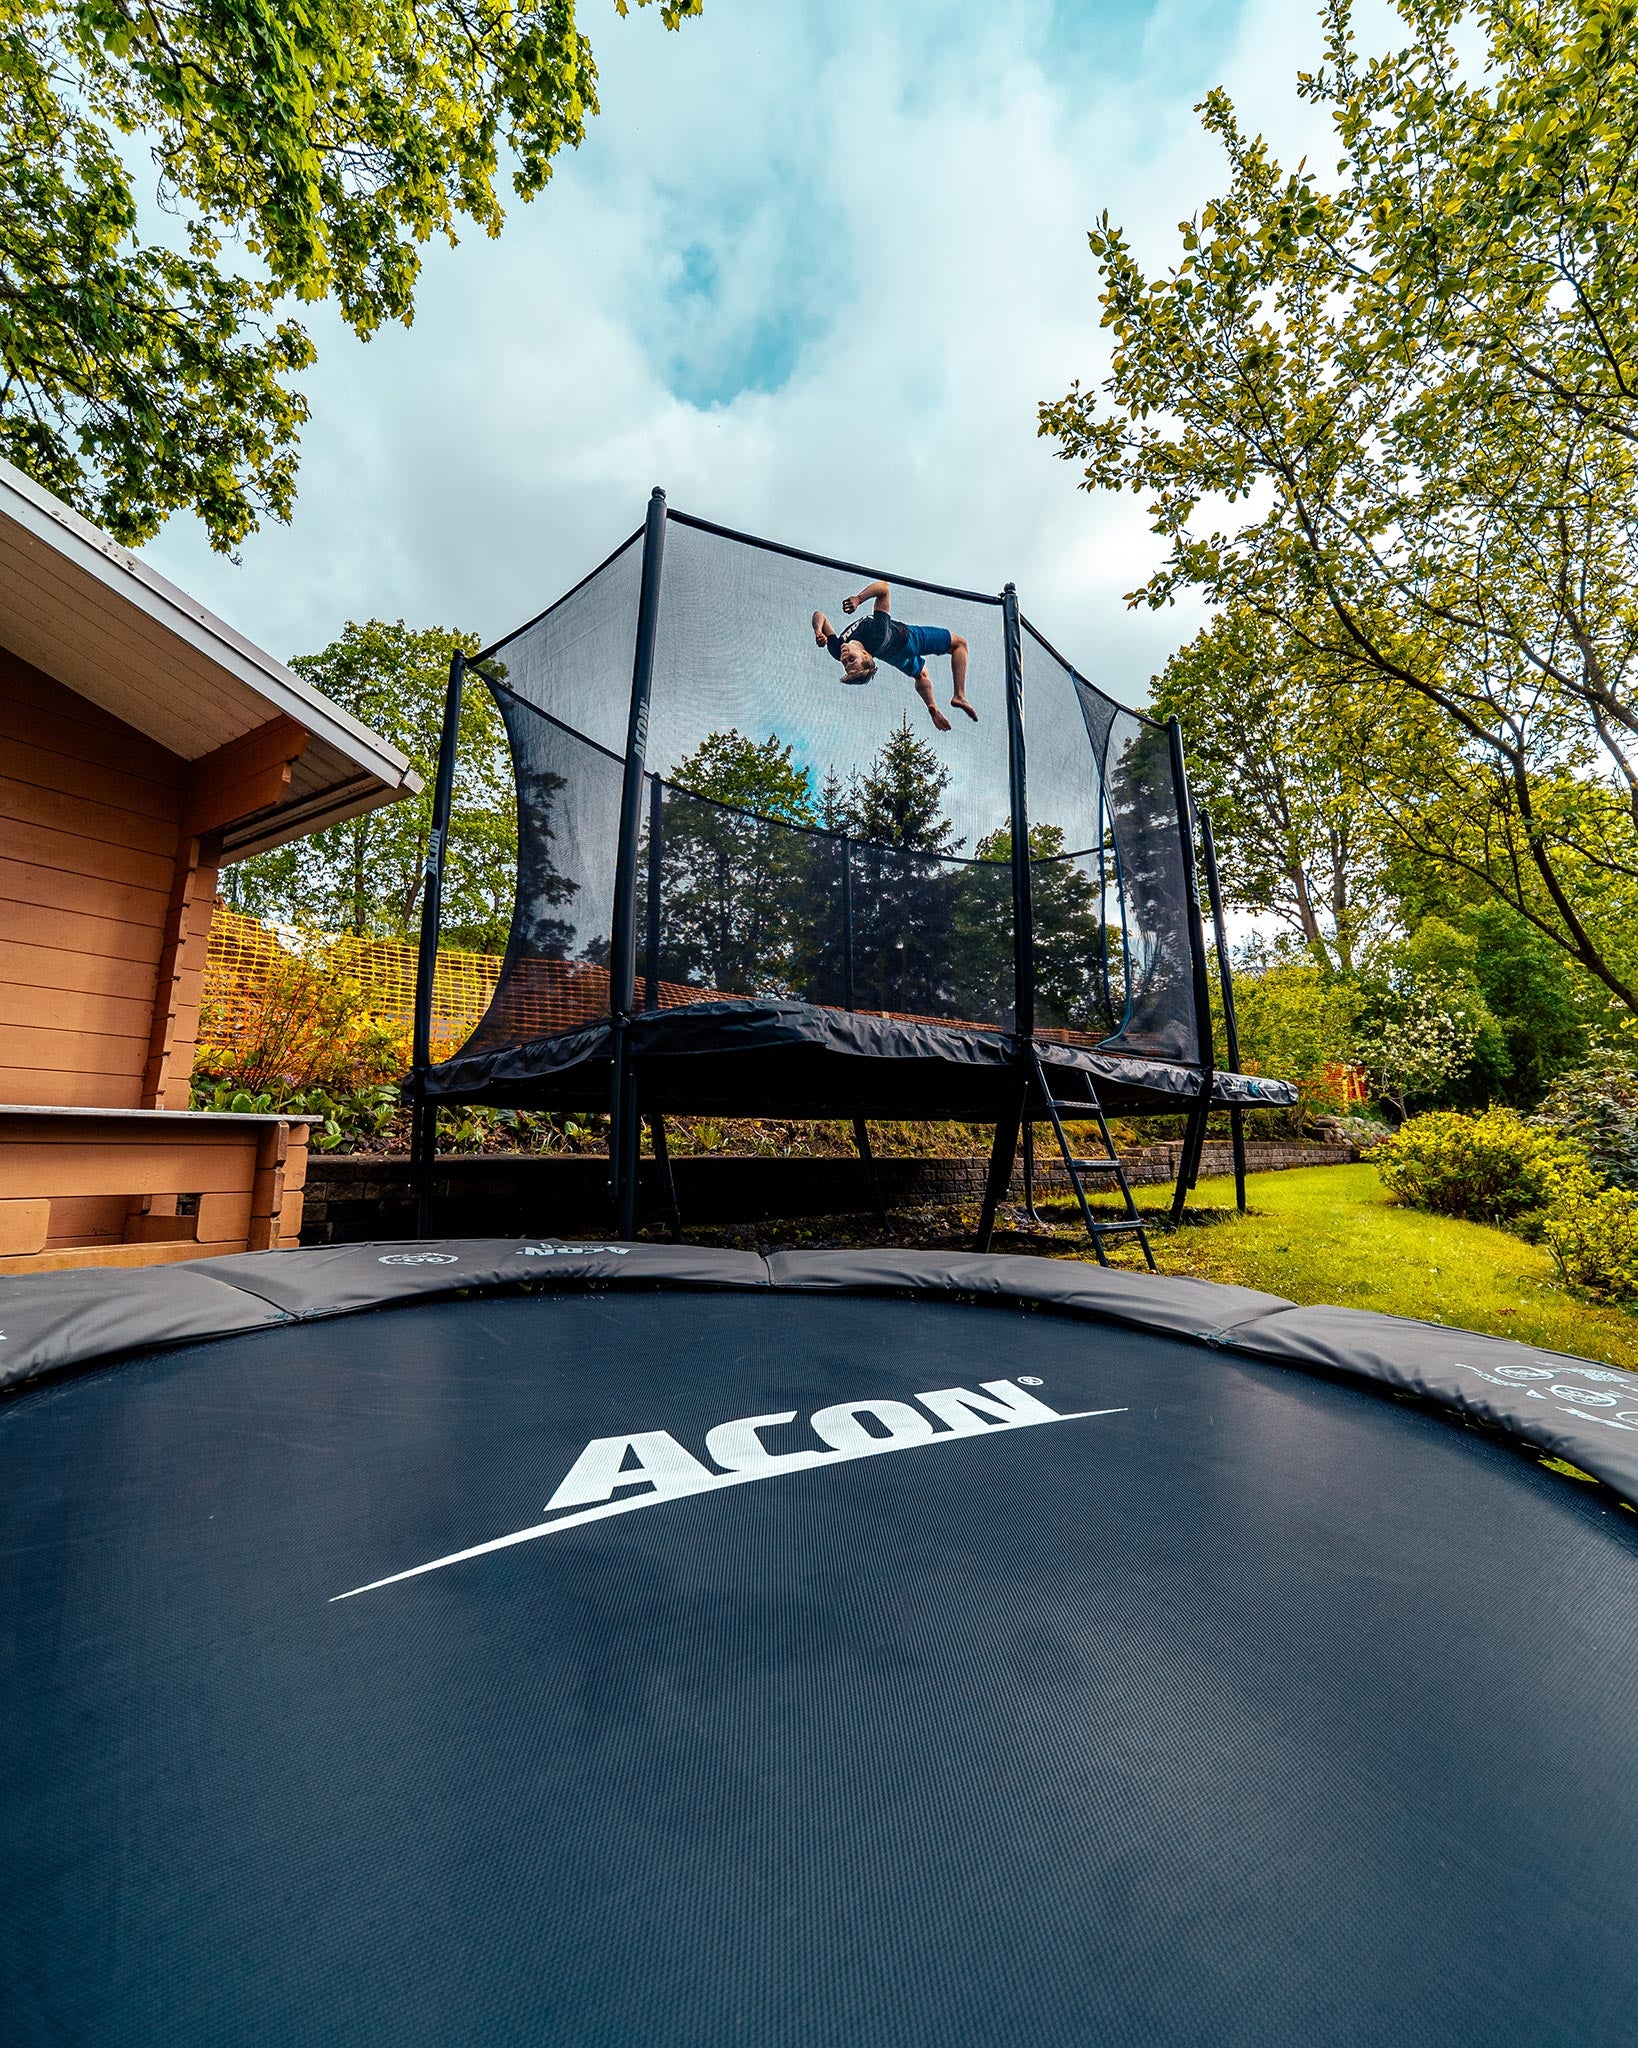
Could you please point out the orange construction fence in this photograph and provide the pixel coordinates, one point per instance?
(244, 954)
(544, 996)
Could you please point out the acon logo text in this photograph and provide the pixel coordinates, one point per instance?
(614, 1475)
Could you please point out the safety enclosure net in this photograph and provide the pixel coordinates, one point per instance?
(800, 838)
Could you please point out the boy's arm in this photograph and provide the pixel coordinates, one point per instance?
(878, 590)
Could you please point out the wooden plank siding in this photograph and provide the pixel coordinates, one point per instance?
(109, 1190)
(104, 904)
(109, 846)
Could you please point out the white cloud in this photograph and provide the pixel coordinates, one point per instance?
(882, 216)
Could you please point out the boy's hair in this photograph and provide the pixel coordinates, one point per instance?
(867, 673)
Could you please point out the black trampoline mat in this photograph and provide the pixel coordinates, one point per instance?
(1262, 1710)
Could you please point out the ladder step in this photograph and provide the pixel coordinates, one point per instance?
(1087, 1108)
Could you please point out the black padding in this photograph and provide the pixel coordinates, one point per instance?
(1166, 1302)
(337, 1279)
(1259, 1712)
(804, 1059)
(1587, 1414)
(55, 1322)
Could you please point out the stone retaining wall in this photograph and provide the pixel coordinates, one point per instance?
(356, 1196)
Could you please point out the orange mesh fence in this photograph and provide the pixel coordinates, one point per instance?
(379, 974)
(542, 998)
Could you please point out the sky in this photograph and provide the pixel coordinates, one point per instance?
(812, 270)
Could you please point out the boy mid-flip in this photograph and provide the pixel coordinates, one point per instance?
(878, 636)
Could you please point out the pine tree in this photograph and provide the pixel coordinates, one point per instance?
(903, 893)
(837, 804)
(900, 797)
(1069, 981)
(731, 868)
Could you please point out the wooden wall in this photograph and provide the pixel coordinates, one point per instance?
(104, 911)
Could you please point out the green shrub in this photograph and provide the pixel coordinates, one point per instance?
(1488, 1168)
(1594, 1241)
(1595, 1106)
(350, 1120)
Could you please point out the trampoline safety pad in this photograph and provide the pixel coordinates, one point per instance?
(599, 1644)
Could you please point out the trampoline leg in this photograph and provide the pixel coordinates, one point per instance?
(1002, 1154)
(861, 1140)
(668, 1185)
(1188, 1164)
(1030, 1209)
(423, 1155)
(624, 1140)
(1237, 1138)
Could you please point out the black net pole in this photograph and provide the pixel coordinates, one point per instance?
(1005, 1149)
(424, 1114)
(1023, 922)
(1189, 1164)
(1103, 905)
(1225, 976)
(847, 923)
(624, 1135)
(656, 848)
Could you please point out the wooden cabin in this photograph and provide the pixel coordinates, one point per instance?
(143, 744)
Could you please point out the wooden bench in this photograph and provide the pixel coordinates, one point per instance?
(143, 1187)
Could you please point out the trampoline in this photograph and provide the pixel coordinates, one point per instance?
(531, 1642)
(745, 889)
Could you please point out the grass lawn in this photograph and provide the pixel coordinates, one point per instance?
(1329, 1234)
(1313, 1234)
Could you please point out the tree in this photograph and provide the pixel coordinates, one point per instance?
(1297, 1023)
(1414, 389)
(1069, 935)
(364, 874)
(138, 377)
(731, 869)
(1425, 1032)
(1546, 1009)
(899, 800)
(1298, 836)
(903, 891)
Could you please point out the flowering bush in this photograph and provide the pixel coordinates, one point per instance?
(1421, 1039)
(1594, 1240)
(1488, 1168)
(1426, 1033)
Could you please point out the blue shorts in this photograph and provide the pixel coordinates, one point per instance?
(922, 641)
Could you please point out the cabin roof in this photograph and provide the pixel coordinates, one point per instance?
(99, 619)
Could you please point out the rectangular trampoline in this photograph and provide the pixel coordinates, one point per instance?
(999, 923)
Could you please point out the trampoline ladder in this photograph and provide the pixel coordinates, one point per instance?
(1106, 1162)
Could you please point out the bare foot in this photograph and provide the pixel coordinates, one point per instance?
(939, 718)
(961, 704)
